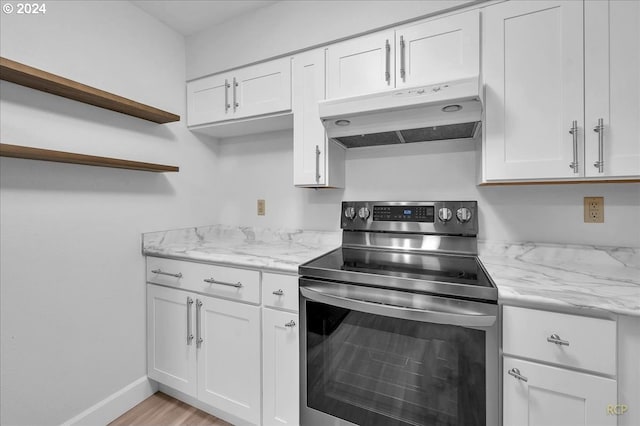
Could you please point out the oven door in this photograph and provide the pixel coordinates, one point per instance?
(373, 356)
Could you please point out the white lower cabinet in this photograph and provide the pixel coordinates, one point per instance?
(207, 348)
(280, 350)
(226, 339)
(171, 355)
(229, 357)
(558, 369)
(541, 395)
(280, 368)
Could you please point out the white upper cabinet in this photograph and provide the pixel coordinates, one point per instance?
(317, 161)
(361, 65)
(247, 92)
(551, 70)
(440, 50)
(533, 75)
(612, 82)
(429, 52)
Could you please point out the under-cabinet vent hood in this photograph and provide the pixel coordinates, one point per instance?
(450, 110)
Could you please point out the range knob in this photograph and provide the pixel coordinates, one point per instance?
(350, 212)
(463, 214)
(444, 214)
(363, 213)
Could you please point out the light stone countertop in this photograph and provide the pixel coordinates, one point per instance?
(526, 274)
(565, 276)
(281, 250)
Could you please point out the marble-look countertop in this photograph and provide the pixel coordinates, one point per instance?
(565, 276)
(526, 274)
(279, 250)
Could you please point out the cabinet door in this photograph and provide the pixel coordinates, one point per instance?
(440, 50)
(262, 89)
(362, 65)
(314, 163)
(553, 396)
(612, 87)
(171, 354)
(229, 357)
(533, 74)
(208, 100)
(281, 368)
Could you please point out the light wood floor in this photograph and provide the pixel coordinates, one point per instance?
(162, 410)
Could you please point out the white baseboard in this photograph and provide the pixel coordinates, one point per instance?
(115, 404)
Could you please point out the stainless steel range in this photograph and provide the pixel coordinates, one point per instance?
(400, 324)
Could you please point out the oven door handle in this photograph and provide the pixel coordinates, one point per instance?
(456, 313)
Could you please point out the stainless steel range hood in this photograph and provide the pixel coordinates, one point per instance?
(450, 110)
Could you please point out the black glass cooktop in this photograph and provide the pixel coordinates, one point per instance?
(454, 275)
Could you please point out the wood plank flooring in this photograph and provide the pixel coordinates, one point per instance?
(162, 410)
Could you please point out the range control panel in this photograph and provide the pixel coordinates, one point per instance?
(428, 217)
(406, 213)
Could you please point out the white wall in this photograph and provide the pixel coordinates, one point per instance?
(71, 271)
(290, 25)
(261, 166)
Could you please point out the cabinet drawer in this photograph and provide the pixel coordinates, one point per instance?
(568, 340)
(280, 291)
(221, 280)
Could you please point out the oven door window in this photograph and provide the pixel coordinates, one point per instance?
(375, 370)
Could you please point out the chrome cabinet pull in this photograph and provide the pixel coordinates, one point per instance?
(516, 373)
(279, 292)
(213, 281)
(554, 338)
(236, 104)
(199, 339)
(317, 164)
(291, 323)
(226, 96)
(159, 272)
(189, 333)
(574, 132)
(387, 72)
(599, 129)
(402, 69)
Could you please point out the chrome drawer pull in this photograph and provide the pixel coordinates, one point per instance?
(574, 132)
(189, 333)
(516, 373)
(291, 323)
(279, 292)
(199, 338)
(159, 272)
(599, 129)
(554, 338)
(213, 281)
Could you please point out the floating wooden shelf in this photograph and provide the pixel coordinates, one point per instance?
(29, 153)
(561, 182)
(34, 78)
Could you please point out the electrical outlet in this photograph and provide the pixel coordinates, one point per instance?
(261, 207)
(593, 209)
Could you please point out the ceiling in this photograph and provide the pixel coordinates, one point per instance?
(191, 16)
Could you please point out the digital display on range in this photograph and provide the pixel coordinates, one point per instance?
(404, 213)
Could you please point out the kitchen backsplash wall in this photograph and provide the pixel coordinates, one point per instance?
(260, 167)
